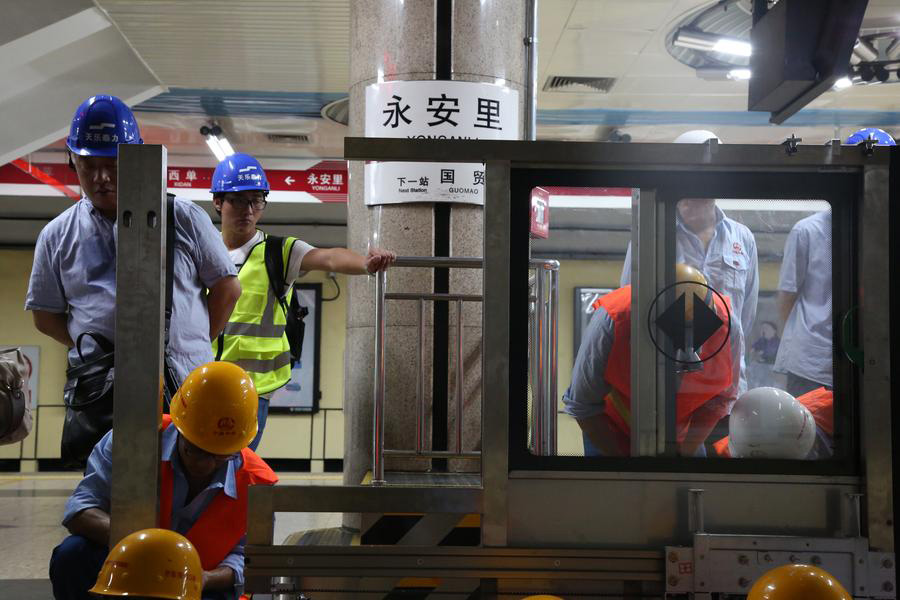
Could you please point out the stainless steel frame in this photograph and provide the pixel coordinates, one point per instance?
(140, 302)
(627, 509)
(546, 328)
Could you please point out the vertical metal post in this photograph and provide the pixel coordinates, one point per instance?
(550, 421)
(531, 64)
(420, 382)
(495, 356)
(533, 356)
(460, 395)
(695, 511)
(538, 345)
(378, 408)
(876, 314)
(140, 303)
(647, 405)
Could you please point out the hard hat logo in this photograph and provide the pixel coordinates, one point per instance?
(239, 173)
(100, 124)
(221, 418)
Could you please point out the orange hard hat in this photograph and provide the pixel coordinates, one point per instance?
(153, 563)
(798, 582)
(690, 282)
(215, 408)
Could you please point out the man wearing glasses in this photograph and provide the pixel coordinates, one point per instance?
(204, 474)
(255, 337)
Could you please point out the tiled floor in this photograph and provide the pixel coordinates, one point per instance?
(31, 506)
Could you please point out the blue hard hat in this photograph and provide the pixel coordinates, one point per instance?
(100, 124)
(881, 137)
(239, 173)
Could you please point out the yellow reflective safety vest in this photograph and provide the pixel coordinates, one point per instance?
(254, 337)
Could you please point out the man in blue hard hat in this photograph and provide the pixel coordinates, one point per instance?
(804, 295)
(256, 336)
(73, 280)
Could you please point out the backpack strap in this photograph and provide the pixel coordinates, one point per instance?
(169, 377)
(170, 259)
(275, 267)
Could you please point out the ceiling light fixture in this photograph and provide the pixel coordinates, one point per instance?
(731, 46)
(700, 40)
(739, 74)
(218, 143)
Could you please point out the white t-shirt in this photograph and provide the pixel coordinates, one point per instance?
(298, 251)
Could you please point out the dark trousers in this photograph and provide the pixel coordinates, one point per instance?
(74, 567)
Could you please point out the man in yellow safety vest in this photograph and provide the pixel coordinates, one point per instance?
(255, 336)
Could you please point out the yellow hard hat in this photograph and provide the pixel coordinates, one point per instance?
(798, 582)
(690, 282)
(153, 563)
(215, 408)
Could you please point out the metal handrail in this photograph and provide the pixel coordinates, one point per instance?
(545, 400)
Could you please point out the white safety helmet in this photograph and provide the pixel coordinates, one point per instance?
(697, 136)
(770, 423)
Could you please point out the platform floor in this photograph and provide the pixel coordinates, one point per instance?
(31, 507)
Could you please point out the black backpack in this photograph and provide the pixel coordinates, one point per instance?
(293, 310)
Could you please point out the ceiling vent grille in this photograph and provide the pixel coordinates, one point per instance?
(279, 138)
(593, 85)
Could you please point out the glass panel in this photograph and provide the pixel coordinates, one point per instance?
(769, 264)
(742, 346)
(590, 236)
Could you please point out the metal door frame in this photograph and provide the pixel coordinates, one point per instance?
(505, 492)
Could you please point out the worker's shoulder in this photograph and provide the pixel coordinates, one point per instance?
(815, 222)
(64, 221)
(188, 215)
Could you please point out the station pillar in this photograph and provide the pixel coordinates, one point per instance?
(392, 40)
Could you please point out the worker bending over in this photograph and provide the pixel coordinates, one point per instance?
(255, 337)
(599, 396)
(205, 472)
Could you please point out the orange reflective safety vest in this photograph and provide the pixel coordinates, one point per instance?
(820, 403)
(224, 522)
(695, 389)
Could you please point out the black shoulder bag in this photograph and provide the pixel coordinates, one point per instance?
(88, 393)
(293, 310)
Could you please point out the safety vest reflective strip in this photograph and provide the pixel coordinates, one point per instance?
(695, 389)
(254, 337)
(224, 521)
(820, 403)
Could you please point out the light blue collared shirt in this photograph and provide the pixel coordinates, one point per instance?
(806, 346)
(74, 272)
(94, 492)
(731, 265)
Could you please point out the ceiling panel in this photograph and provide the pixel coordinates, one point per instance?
(619, 15)
(277, 45)
(552, 19)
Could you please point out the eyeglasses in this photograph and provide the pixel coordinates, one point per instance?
(257, 203)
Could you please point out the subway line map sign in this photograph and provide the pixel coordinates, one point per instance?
(457, 110)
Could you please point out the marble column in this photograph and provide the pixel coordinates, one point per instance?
(397, 40)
